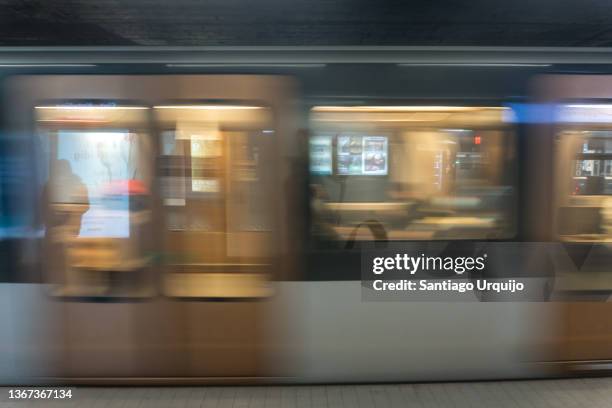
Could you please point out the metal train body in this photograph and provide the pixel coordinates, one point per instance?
(251, 293)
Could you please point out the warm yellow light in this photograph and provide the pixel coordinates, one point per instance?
(367, 120)
(73, 120)
(208, 107)
(402, 108)
(83, 107)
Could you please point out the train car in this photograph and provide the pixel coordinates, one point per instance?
(200, 215)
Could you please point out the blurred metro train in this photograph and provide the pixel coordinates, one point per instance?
(199, 215)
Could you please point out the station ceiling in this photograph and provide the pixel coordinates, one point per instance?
(305, 22)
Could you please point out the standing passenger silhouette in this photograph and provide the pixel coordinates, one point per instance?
(64, 201)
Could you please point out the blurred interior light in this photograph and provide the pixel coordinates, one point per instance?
(590, 106)
(208, 107)
(401, 108)
(85, 107)
(73, 120)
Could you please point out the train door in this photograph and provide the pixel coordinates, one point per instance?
(172, 218)
(218, 192)
(581, 142)
(96, 175)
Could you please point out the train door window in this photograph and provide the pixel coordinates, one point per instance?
(411, 173)
(584, 159)
(217, 171)
(95, 200)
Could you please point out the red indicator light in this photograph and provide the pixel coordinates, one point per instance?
(476, 140)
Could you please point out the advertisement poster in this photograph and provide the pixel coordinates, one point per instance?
(362, 155)
(321, 155)
(350, 151)
(375, 155)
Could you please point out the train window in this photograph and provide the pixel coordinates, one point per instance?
(95, 199)
(592, 162)
(411, 173)
(217, 166)
(584, 166)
